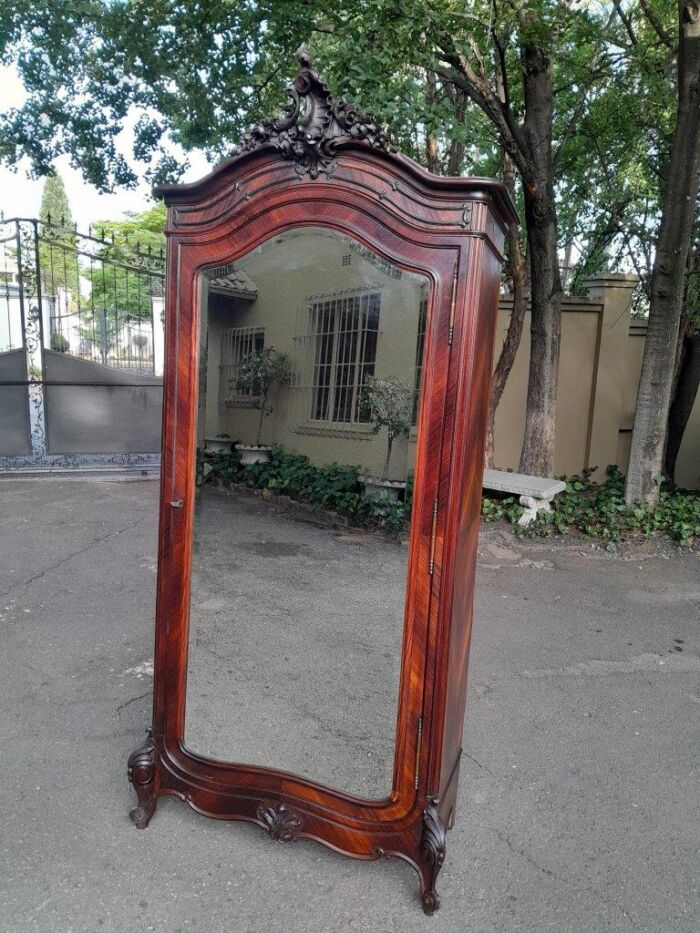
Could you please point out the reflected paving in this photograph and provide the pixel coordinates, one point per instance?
(294, 643)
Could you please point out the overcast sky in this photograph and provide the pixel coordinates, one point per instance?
(20, 196)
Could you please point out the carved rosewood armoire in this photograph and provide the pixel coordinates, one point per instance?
(310, 674)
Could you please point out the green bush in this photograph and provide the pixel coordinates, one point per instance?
(59, 343)
(334, 487)
(599, 511)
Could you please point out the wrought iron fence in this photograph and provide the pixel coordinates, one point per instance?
(81, 347)
(99, 295)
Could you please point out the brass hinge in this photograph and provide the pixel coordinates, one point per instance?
(433, 533)
(419, 740)
(453, 302)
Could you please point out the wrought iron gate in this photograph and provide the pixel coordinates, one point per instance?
(81, 349)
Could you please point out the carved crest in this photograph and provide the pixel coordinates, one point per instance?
(281, 823)
(313, 126)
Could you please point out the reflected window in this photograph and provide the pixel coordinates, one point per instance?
(343, 331)
(239, 343)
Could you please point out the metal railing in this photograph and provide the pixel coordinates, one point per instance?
(81, 347)
(99, 295)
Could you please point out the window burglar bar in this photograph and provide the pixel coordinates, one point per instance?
(238, 343)
(339, 351)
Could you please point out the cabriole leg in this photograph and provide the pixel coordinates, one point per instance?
(433, 856)
(144, 778)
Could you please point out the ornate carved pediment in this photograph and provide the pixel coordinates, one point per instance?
(313, 126)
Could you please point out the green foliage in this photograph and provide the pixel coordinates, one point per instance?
(201, 80)
(59, 343)
(617, 155)
(142, 231)
(598, 510)
(259, 372)
(55, 207)
(390, 403)
(333, 487)
(119, 273)
(58, 256)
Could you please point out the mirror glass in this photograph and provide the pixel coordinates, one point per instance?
(310, 361)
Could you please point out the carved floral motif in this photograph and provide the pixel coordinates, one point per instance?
(281, 823)
(313, 126)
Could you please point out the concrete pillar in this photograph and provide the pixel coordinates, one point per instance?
(614, 291)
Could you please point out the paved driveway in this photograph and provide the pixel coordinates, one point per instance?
(578, 806)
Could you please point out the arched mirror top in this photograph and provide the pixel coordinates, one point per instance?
(326, 143)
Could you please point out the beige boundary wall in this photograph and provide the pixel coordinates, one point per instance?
(601, 355)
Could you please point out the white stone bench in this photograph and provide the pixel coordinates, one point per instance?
(536, 492)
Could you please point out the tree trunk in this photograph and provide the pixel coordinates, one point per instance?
(530, 146)
(684, 398)
(260, 420)
(537, 456)
(668, 276)
(431, 149)
(511, 342)
(385, 468)
(455, 157)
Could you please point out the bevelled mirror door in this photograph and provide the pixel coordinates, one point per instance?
(310, 350)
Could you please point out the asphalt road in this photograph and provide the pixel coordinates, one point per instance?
(578, 806)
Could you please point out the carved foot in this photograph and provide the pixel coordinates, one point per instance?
(144, 778)
(433, 856)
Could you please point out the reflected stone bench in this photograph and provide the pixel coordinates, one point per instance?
(536, 492)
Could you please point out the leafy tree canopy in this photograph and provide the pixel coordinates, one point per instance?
(198, 73)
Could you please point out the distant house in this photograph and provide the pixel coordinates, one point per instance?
(342, 314)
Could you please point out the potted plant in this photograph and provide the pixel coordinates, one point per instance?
(218, 445)
(259, 373)
(390, 405)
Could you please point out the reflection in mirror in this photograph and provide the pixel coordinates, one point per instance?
(310, 360)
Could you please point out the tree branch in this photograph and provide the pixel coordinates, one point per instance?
(626, 21)
(657, 26)
(462, 75)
